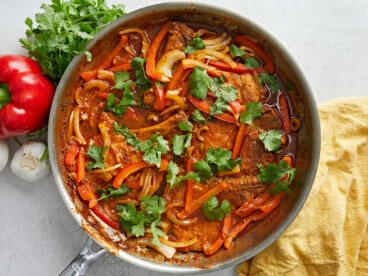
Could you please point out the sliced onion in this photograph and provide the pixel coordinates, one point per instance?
(173, 218)
(165, 64)
(166, 250)
(214, 41)
(204, 53)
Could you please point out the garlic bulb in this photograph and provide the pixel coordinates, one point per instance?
(29, 162)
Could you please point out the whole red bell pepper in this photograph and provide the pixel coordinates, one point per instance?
(25, 96)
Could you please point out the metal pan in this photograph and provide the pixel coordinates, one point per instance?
(262, 233)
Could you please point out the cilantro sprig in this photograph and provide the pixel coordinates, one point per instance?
(271, 139)
(281, 175)
(96, 154)
(152, 148)
(217, 160)
(62, 30)
(253, 111)
(195, 43)
(213, 211)
(181, 142)
(135, 220)
(112, 192)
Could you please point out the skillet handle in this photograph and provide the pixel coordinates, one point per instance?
(86, 257)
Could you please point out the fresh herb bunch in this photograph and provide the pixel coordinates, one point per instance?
(63, 30)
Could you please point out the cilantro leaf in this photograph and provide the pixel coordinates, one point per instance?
(153, 148)
(251, 62)
(253, 111)
(270, 81)
(235, 51)
(181, 142)
(96, 153)
(199, 83)
(213, 211)
(198, 117)
(204, 170)
(123, 81)
(62, 30)
(185, 126)
(140, 75)
(195, 43)
(221, 158)
(271, 139)
(218, 107)
(112, 192)
(279, 174)
(134, 220)
(172, 175)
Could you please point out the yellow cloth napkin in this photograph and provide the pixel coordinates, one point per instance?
(330, 234)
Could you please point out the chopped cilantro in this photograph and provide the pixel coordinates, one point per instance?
(195, 43)
(141, 78)
(134, 221)
(199, 83)
(235, 51)
(270, 81)
(213, 211)
(279, 174)
(96, 153)
(251, 62)
(253, 111)
(181, 142)
(271, 139)
(172, 175)
(185, 126)
(218, 107)
(198, 117)
(153, 148)
(112, 192)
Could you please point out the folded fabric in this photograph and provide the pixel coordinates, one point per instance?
(330, 234)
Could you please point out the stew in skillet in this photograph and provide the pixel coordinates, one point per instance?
(181, 138)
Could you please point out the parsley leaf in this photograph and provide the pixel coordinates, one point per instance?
(62, 30)
(140, 75)
(213, 211)
(270, 81)
(195, 43)
(112, 192)
(253, 111)
(271, 139)
(279, 174)
(96, 153)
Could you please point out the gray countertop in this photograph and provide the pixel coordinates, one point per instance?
(329, 39)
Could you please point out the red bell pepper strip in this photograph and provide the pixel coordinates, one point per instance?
(160, 101)
(126, 171)
(98, 210)
(246, 41)
(205, 106)
(153, 51)
(25, 96)
(239, 69)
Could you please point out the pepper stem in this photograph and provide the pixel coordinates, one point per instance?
(4, 95)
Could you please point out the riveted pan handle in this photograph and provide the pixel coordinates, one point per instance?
(86, 257)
